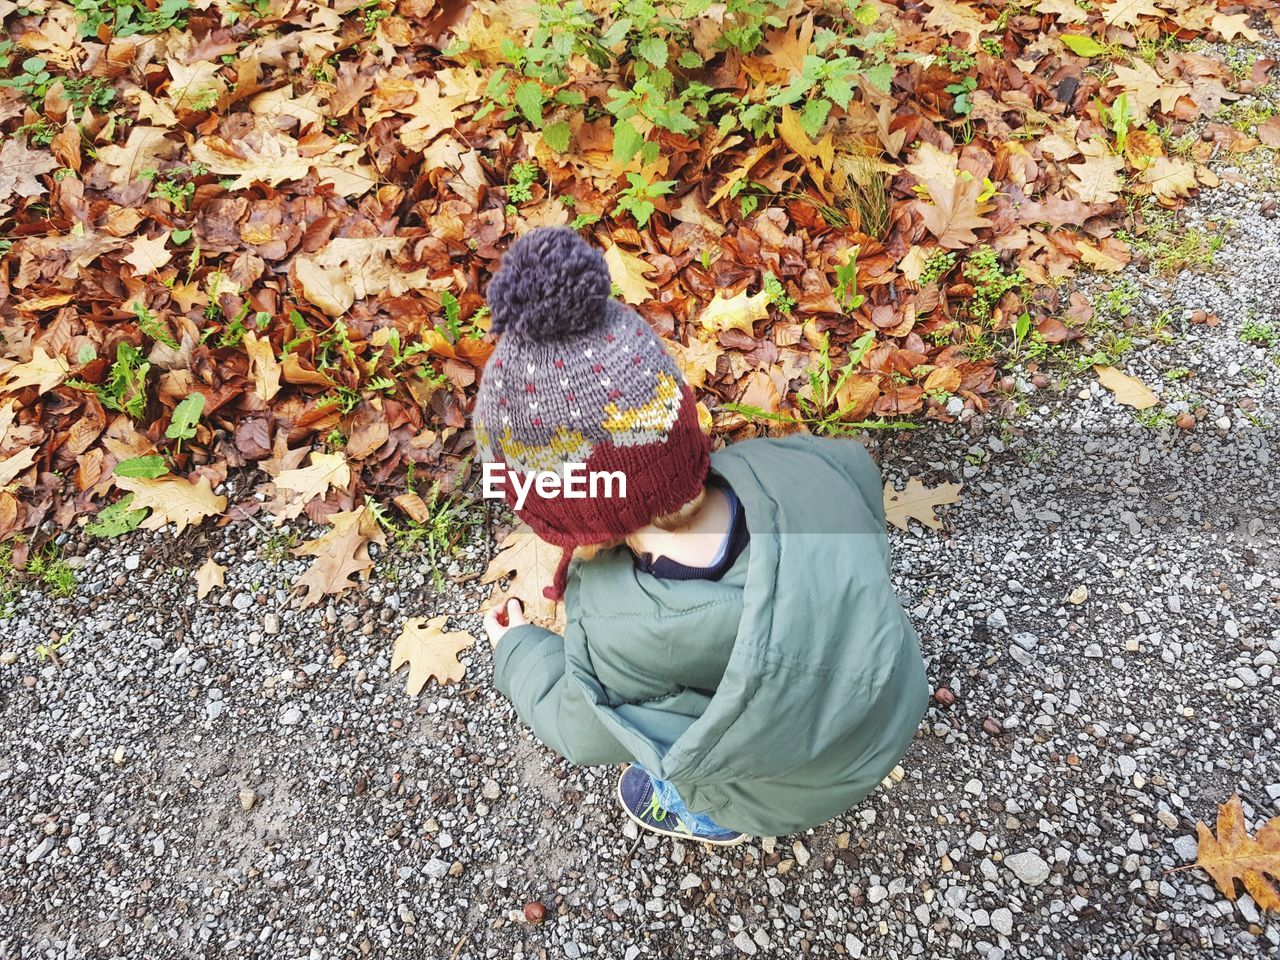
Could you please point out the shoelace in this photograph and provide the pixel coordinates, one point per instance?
(658, 814)
(654, 811)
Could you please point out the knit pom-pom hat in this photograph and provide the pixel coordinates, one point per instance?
(579, 378)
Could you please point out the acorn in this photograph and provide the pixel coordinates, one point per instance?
(535, 912)
(944, 697)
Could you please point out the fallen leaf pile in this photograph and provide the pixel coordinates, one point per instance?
(257, 237)
(1233, 856)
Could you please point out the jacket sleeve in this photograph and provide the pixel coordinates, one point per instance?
(529, 667)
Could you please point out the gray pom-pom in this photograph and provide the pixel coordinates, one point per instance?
(553, 285)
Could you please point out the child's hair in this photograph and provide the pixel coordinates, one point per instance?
(674, 521)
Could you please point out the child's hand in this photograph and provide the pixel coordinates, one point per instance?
(498, 621)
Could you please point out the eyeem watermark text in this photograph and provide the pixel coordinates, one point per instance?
(575, 483)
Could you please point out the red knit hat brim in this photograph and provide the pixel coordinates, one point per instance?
(661, 478)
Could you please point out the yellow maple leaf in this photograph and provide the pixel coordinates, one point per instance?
(173, 500)
(194, 85)
(299, 486)
(42, 370)
(1230, 26)
(696, 360)
(738, 312)
(430, 652)
(1147, 88)
(1097, 179)
(627, 271)
(951, 17)
(955, 213)
(1065, 11)
(347, 269)
(148, 256)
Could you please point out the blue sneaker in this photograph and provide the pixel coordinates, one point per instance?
(641, 803)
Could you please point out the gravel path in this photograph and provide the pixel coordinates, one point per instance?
(235, 778)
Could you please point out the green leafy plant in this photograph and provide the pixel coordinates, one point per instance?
(827, 79)
(990, 282)
(125, 388)
(1118, 118)
(47, 565)
(638, 198)
(448, 518)
(521, 180)
(186, 416)
(33, 80)
(49, 651)
(821, 412)
(1260, 332)
(153, 327)
(937, 266)
(177, 185)
(125, 18)
(846, 291)
(148, 467)
(116, 519)
(777, 294)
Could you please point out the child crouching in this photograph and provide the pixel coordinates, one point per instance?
(732, 632)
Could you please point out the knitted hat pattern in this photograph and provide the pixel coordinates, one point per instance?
(578, 377)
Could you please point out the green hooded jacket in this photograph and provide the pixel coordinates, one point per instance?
(774, 698)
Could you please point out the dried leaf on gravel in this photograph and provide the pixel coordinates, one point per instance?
(429, 651)
(1233, 856)
(173, 500)
(325, 471)
(1269, 131)
(531, 565)
(1170, 178)
(1128, 390)
(209, 575)
(340, 553)
(917, 502)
